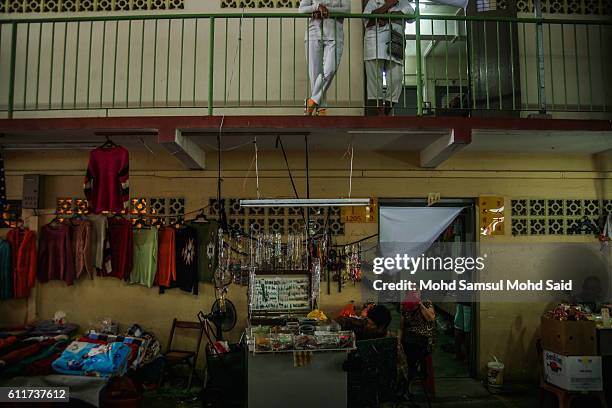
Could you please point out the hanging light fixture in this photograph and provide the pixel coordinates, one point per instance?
(307, 202)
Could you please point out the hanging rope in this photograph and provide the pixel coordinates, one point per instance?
(351, 174)
(350, 151)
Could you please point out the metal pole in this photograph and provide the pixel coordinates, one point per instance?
(540, 57)
(11, 95)
(211, 55)
(419, 83)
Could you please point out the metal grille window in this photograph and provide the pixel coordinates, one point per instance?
(486, 5)
(584, 7)
(10, 214)
(143, 211)
(74, 6)
(555, 216)
(277, 219)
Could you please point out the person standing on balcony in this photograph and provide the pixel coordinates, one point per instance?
(383, 52)
(324, 43)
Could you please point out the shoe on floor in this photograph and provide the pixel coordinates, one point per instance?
(311, 107)
(321, 112)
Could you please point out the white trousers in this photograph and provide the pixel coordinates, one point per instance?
(323, 59)
(394, 75)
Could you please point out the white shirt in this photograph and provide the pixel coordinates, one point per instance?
(332, 27)
(371, 38)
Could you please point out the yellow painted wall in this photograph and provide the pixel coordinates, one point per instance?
(507, 331)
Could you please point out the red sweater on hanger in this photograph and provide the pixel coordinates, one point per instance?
(23, 252)
(121, 239)
(55, 254)
(106, 181)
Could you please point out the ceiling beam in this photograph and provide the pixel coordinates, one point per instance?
(183, 148)
(444, 147)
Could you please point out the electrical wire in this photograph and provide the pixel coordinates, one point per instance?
(256, 167)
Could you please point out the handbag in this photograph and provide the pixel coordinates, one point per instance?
(395, 46)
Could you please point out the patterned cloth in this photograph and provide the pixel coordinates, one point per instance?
(417, 328)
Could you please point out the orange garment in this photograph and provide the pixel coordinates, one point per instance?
(348, 311)
(23, 250)
(166, 258)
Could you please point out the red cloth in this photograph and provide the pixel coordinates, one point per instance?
(55, 254)
(106, 181)
(166, 257)
(25, 352)
(43, 366)
(7, 341)
(121, 240)
(23, 252)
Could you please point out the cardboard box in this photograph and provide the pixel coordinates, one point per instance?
(573, 373)
(569, 338)
(605, 341)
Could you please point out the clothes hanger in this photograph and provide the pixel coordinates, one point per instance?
(179, 224)
(158, 223)
(109, 144)
(56, 221)
(20, 224)
(140, 223)
(201, 218)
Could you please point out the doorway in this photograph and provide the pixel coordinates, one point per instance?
(455, 353)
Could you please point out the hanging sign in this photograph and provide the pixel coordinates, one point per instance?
(361, 215)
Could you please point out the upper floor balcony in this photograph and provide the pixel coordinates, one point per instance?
(221, 61)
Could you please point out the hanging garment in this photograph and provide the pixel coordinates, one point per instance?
(24, 262)
(81, 234)
(6, 272)
(106, 181)
(55, 254)
(98, 238)
(187, 260)
(120, 239)
(166, 258)
(3, 200)
(207, 248)
(145, 257)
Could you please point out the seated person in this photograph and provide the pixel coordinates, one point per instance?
(373, 326)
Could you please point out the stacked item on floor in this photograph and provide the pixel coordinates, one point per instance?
(93, 359)
(32, 349)
(107, 355)
(571, 365)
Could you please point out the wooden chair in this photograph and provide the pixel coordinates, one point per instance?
(175, 356)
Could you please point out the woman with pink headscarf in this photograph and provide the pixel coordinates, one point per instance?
(418, 328)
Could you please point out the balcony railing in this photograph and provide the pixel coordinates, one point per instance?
(254, 63)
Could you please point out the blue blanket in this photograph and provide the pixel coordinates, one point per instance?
(103, 360)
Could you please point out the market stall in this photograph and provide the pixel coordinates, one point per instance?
(289, 343)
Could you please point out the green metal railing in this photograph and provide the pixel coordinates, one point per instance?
(254, 63)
